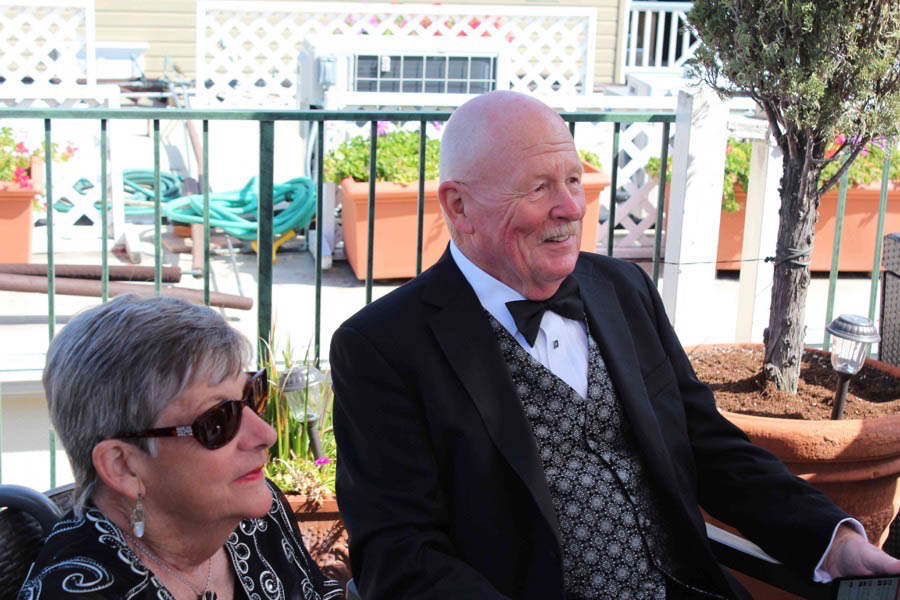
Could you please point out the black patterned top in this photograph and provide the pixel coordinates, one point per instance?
(87, 557)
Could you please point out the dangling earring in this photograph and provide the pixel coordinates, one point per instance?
(137, 517)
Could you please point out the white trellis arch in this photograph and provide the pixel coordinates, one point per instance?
(47, 42)
(247, 51)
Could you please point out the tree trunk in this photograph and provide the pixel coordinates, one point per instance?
(787, 317)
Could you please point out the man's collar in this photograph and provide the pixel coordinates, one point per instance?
(492, 293)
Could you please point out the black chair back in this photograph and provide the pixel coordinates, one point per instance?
(26, 518)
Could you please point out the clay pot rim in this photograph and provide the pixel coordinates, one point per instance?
(300, 503)
(847, 440)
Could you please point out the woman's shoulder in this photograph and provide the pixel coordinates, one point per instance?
(86, 556)
(269, 551)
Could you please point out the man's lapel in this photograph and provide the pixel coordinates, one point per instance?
(464, 334)
(609, 327)
(610, 330)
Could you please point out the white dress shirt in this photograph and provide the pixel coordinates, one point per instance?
(561, 344)
(562, 347)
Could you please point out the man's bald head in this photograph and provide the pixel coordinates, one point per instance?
(483, 127)
(511, 191)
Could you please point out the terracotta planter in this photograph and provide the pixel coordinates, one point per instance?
(855, 462)
(394, 253)
(324, 535)
(15, 222)
(860, 226)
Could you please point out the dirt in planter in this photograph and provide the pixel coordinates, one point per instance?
(735, 376)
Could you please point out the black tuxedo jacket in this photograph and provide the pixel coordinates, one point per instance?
(439, 480)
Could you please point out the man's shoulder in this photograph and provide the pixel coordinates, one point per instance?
(591, 264)
(406, 302)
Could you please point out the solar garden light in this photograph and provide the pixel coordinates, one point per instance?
(299, 384)
(853, 336)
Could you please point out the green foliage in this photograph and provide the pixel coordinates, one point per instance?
(820, 67)
(10, 158)
(591, 157)
(292, 465)
(867, 168)
(15, 158)
(397, 158)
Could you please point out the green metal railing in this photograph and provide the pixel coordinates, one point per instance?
(836, 245)
(266, 120)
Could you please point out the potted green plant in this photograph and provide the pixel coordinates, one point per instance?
(302, 462)
(21, 182)
(863, 196)
(396, 169)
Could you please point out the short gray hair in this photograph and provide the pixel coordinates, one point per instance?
(113, 368)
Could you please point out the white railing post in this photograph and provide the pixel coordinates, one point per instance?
(656, 24)
(760, 234)
(696, 202)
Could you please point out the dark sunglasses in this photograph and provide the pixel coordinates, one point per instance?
(217, 426)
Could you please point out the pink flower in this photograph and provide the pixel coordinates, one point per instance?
(323, 461)
(70, 149)
(383, 127)
(21, 178)
(21, 149)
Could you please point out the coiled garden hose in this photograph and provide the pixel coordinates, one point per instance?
(140, 185)
(235, 212)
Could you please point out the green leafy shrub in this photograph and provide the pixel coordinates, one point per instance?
(397, 158)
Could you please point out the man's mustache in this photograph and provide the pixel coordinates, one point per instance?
(562, 231)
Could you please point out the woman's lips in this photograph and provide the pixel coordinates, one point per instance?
(252, 475)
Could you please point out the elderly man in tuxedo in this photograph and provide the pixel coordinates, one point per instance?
(520, 420)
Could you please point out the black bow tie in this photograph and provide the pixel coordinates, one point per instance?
(565, 302)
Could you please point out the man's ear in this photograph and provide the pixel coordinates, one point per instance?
(118, 465)
(453, 202)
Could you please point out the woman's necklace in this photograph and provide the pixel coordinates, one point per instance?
(205, 594)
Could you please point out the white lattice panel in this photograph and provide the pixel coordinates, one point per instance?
(247, 51)
(636, 217)
(46, 42)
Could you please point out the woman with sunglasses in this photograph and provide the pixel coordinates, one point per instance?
(161, 427)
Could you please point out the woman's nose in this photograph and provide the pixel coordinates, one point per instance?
(256, 430)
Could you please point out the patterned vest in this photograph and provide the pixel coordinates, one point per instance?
(613, 544)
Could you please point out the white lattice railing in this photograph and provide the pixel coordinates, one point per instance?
(659, 36)
(41, 41)
(635, 218)
(247, 51)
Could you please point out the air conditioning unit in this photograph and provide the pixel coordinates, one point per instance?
(393, 72)
(337, 72)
